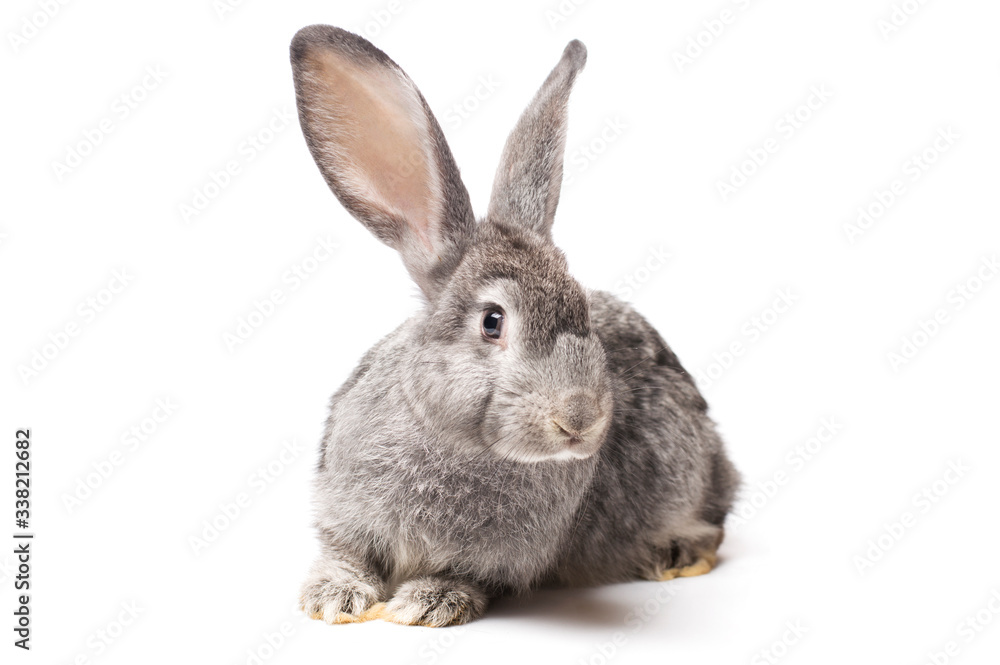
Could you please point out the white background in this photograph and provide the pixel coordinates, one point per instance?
(672, 131)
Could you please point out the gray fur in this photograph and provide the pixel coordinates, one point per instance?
(447, 474)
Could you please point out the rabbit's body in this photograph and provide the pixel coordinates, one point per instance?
(392, 493)
(519, 430)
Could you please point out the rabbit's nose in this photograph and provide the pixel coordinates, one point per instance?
(577, 412)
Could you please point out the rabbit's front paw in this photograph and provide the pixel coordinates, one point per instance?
(435, 601)
(340, 600)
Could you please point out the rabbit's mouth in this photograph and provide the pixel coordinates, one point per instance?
(570, 427)
(529, 434)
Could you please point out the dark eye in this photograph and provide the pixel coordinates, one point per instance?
(493, 323)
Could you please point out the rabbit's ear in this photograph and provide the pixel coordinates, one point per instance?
(527, 183)
(381, 150)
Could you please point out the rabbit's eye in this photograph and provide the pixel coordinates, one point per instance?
(493, 323)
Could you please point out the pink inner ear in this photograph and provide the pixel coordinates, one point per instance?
(379, 141)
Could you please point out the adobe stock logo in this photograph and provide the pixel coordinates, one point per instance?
(785, 129)
(923, 502)
(585, 155)
(561, 12)
(132, 440)
(796, 459)
(711, 31)
(967, 630)
(121, 108)
(218, 180)
(267, 306)
(104, 638)
(899, 16)
(59, 340)
(465, 108)
(956, 300)
(779, 648)
(33, 23)
(634, 280)
(635, 620)
(751, 332)
(257, 483)
(911, 171)
(381, 18)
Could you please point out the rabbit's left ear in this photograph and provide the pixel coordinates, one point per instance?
(528, 180)
(381, 150)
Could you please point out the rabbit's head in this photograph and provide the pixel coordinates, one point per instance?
(505, 357)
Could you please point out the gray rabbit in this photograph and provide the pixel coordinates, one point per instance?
(519, 430)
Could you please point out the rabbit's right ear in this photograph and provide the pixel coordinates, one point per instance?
(381, 150)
